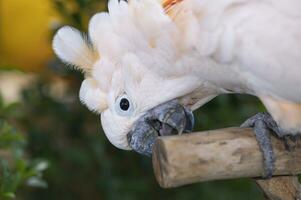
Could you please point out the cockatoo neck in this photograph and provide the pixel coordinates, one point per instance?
(213, 79)
(224, 77)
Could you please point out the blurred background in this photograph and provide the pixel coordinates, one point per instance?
(52, 147)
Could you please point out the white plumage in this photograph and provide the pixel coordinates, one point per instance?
(191, 50)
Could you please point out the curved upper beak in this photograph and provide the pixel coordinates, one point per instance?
(169, 118)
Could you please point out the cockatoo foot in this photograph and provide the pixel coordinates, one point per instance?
(169, 118)
(290, 142)
(264, 125)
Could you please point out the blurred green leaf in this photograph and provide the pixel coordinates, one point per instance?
(15, 167)
(9, 137)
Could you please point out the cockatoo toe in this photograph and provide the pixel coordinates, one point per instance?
(169, 118)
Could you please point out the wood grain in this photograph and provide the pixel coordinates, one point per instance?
(214, 155)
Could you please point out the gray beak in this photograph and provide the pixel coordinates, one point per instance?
(169, 118)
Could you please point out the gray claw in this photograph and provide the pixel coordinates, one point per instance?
(169, 118)
(263, 123)
(263, 137)
(268, 121)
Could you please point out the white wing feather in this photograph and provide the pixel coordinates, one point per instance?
(260, 39)
(268, 49)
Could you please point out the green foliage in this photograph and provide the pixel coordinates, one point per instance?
(15, 168)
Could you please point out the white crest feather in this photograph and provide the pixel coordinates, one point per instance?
(91, 95)
(70, 46)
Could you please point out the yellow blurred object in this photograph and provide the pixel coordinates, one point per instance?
(25, 33)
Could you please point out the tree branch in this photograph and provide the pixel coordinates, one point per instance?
(223, 154)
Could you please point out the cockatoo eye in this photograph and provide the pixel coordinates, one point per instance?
(124, 106)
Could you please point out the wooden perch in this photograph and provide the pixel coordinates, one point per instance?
(220, 154)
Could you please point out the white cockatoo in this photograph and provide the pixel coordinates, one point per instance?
(149, 63)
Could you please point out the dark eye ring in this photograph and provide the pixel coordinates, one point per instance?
(124, 104)
(122, 0)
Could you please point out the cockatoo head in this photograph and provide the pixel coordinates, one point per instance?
(129, 76)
